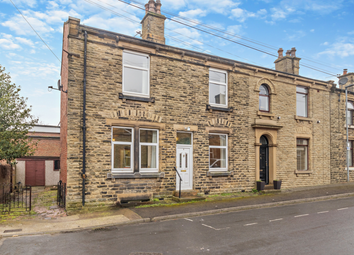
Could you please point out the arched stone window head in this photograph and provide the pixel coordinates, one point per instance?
(263, 140)
(264, 99)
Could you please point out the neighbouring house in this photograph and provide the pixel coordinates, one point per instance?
(43, 168)
(136, 108)
(339, 171)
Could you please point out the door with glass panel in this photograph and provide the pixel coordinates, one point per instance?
(184, 161)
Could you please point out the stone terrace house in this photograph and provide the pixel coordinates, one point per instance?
(151, 107)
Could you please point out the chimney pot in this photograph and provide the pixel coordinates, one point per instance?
(146, 8)
(288, 53)
(293, 52)
(345, 71)
(280, 53)
(152, 6)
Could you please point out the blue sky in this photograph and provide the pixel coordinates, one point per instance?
(321, 30)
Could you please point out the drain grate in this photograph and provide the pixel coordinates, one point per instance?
(12, 230)
(145, 253)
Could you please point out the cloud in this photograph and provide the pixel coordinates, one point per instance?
(116, 24)
(193, 13)
(341, 49)
(312, 30)
(325, 43)
(351, 33)
(241, 15)
(40, 21)
(25, 41)
(7, 42)
(295, 35)
(20, 3)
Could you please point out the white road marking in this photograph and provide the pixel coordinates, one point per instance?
(342, 209)
(322, 212)
(276, 220)
(302, 215)
(188, 219)
(250, 224)
(214, 228)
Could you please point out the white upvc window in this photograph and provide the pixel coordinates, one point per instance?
(122, 149)
(218, 152)
(217, 88)
(149, 150)
(136, 74)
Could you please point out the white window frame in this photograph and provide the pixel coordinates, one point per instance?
(138, 68)
(149, 170)
(219, 83)
(220, 147)
(123, 170)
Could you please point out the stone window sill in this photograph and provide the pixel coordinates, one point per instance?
(134, 175)
(219, 174)
(141, 99)
(350, 126)
(351, 168)
(222, 109)
(297, 172)
(265, 114)
(299, 118)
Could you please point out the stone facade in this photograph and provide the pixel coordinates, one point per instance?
(179, 101)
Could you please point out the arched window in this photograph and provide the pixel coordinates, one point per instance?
(263, 140)
(264, 98)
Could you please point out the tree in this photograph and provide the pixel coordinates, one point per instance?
(15, 121)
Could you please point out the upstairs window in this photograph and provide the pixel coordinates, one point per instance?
(217, 88)
(302, 102)
(136, 74)
(264, 98)
(350, 106)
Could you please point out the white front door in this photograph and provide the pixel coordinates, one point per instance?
(184, 167)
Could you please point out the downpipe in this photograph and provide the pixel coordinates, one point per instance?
(83, 174)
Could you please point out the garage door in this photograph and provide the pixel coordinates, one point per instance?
(35, 173)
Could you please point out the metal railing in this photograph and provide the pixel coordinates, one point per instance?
(18, 198)
(180, 182)
(61, 195)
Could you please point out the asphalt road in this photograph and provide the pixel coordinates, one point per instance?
(313, 228)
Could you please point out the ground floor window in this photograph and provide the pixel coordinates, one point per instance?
(149, 149)
(217, 152)
(124, 140)
(302, 154)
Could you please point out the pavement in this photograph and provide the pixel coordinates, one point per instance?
(124, 216)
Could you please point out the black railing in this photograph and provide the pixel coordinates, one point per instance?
(17, 198)
(180, 182)
(61, 195)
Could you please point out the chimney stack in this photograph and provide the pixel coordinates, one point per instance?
(288, 63)
(153, 24)
(350, 77)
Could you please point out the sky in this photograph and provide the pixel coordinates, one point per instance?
(321, 30)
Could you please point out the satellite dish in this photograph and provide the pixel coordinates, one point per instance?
(343, 81)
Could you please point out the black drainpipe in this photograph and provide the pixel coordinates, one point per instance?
(84, 127)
